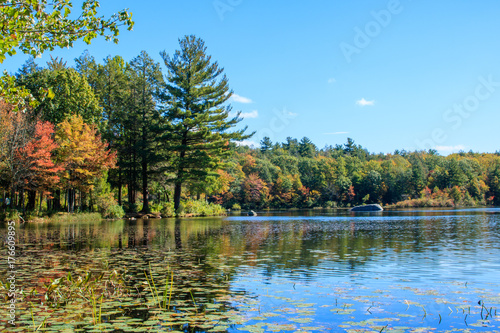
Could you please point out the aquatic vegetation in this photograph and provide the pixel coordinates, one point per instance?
(234, 275)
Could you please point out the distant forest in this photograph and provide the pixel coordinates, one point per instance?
(298, 174)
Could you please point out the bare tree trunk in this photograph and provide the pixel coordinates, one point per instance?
(145, 192)
(177, 195)
(21, 199)
(31, 200)
(120, 187)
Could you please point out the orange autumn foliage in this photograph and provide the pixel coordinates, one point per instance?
(82, 153)
(37, 157)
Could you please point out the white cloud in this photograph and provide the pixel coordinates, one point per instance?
(289, 114)
(240, 99)
(336, 133)
(331, 80)
(252, 114)
(364, 102)
(450, 149)
(248, 143)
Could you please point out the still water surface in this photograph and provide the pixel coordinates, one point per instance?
(300, 271)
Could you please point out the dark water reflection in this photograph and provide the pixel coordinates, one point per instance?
(319, 270)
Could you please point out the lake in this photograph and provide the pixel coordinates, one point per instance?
(282, 271)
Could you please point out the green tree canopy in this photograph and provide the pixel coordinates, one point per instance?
(36, 26)
(71, 95)
(199, 119)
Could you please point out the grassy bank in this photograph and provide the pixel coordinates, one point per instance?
(14, 215)
(191, 208)
(422, 203)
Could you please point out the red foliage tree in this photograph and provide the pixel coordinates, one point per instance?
(41, 173)
(254, 189)
(37, 156)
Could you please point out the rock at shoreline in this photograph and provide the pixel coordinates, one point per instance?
(252, 213)
(135, 216)
(367, 208)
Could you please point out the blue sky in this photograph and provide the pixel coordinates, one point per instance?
(396, 74)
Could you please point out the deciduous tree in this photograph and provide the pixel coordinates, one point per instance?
(83, 154)
(36, 26)
(40, 171)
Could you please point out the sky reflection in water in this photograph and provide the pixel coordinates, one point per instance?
(306, 271)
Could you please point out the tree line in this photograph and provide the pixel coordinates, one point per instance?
(117, 127)
(297, 174)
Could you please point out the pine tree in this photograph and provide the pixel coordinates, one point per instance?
(307, 148)
(199, 123)
(111, 86)
(266, 144)
(146, 80)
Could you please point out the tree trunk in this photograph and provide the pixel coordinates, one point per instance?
(21, 200)
(134, 178)
(180, 174)
(145, 192)
(71, 201)
(57, 201)
(177, 195)
(31, 200)
(83, 201)
(12, 197)
(120, 187)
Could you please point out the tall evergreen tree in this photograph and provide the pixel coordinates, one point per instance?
(307, 148)
(115, 97)
(146, 81)
(199, 123)
(266, 144)
(88, 67)
(111, 86)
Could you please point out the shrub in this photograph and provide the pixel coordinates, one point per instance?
(114, 212)
(108, 207)
(330, 204)
(423, 202)
(236, 207)
(200, 208)
(10, 215)
(167, 210)
(155, 208)
(131, 207)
